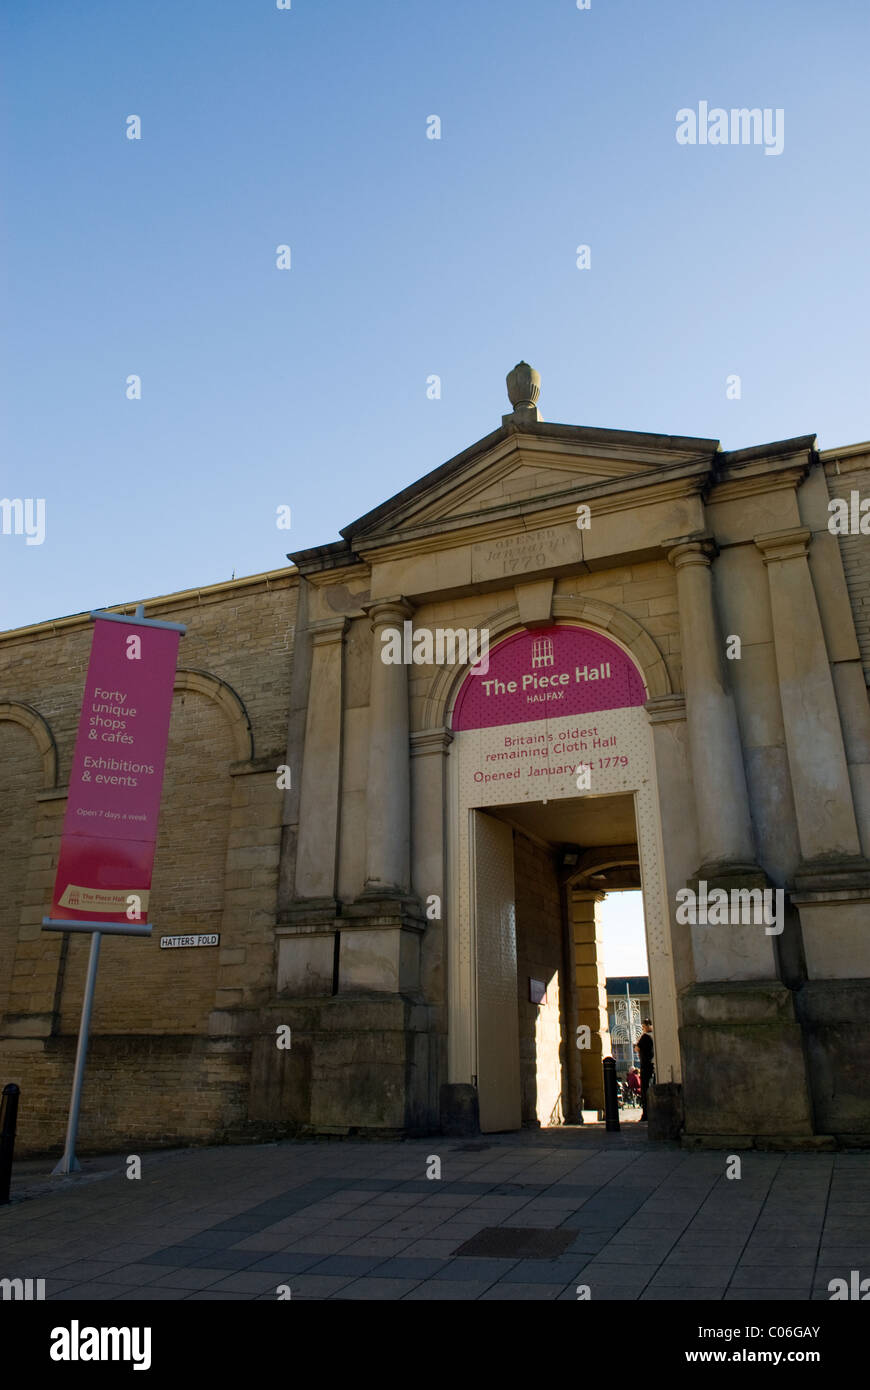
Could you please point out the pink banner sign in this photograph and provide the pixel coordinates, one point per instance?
(110, 827)
(548, 672)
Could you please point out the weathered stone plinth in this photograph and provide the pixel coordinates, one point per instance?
(460, 1110)
(356, 1064)
(744, 1068)
(665, 1106)
(379, 949)
(836, 1018)
(729, 876)
(370, 945)
(833, 899)
(740, 951)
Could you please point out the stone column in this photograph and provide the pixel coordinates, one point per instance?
(381, 930)
(814, 738)
(429, 749)
(831, 887)
(388, 795)
(317, 845)
(306, 934)
(725, 837)
(591, 989)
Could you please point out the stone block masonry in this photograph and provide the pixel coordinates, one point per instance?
(845, 473)
(172, 1032)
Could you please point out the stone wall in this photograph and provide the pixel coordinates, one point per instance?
(845, 475)
(172, 1030)
(20, 773)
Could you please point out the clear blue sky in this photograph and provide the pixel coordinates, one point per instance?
(409, 256)
(624, 935)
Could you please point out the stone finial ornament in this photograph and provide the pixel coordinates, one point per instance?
(523, 385)
(524, 388)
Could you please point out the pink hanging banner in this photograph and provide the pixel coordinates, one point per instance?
(110, 827)
(546, 673)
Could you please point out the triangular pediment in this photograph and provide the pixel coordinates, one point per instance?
(525, 466)
(521, 474)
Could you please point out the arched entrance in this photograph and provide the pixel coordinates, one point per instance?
(551, 743)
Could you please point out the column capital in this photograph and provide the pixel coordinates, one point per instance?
(324, 631)
(690, 550)
(666, 709)
(388, 610)
(587, 895)
(792, 544)
(430, 741)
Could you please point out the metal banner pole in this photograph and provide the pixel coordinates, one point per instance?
(69, 1163)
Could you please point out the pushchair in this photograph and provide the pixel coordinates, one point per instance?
(628, 1097)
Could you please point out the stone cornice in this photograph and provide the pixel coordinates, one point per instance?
(337, 555)
(248, 767)
(844, 463)
(666, 709)
(792, 544)
(774, 455)
(427, 741)
(513, 518)
(165, 605)
(848, 451)
(757, 481)
(338, 574)
(326, 631)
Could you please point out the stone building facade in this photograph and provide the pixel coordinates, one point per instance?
(428, 930)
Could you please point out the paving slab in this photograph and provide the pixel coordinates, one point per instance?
(527, 1292)
(359, 1220)
(375, 1288)
(446, 1291)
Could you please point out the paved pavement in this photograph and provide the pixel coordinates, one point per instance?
(360, 1220)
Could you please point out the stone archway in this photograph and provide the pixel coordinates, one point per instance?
(30, 719)
(468, 850)
(219, 691)
(583, 612)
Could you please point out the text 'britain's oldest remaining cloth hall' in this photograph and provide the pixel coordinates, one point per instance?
(674, 695)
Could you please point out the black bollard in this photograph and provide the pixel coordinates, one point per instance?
(8, 1121)
(611, 1100)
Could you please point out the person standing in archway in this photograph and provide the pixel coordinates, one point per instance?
(646, 1052)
